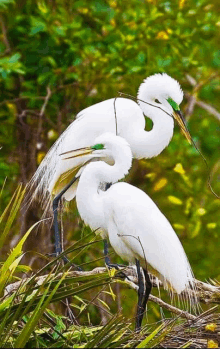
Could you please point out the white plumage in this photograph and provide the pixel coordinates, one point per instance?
(137, 229)
(120, 114)
(133, 223)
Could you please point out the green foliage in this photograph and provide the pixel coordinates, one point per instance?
(11, 65)
(15, 202)
(4, 3)
(27, 321)
(78, 53)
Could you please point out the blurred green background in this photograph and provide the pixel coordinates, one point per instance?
(86, 52)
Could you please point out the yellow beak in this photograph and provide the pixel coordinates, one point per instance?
(178, 116)
(76, 153)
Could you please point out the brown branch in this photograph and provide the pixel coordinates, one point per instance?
(208, 108)
(190, 105)
(5, 39)
(42, 111)
(194, 101)
(192, 97)
(198, 85)
(205, 292)
(129, 271)
(172, 309)
(19, 99)
(46, 101)
(67, 85)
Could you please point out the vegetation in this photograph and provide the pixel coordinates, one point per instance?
(57, 58)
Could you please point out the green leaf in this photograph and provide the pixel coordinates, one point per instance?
(14, 58)
(13, 259)
(4, 3)
(37, 314)
(148, 339)
(37, 26)
(16, 200)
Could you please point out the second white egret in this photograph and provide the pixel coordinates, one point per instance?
(136, 228)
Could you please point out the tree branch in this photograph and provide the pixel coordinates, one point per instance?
(192, 97)
(205, 292)
(42, 111)
(5, 39)
(194, 101)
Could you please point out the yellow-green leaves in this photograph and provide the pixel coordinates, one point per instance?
(211, 327)
(174, 200)
(37, 314)
(201, 211)
(11, 211)
(211, 225)
(179, 169)
(160, 184)
(12, 261)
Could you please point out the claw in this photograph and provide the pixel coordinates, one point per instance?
(117, 267)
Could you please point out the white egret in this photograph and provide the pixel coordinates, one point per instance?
(159, 97)
(136, 228)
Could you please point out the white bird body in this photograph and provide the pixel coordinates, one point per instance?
(116, 114)
(138, 230)
(133, 223)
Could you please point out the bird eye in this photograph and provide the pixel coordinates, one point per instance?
(156, 100)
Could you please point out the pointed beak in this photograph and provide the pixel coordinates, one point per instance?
(77, 153)
(178, 116)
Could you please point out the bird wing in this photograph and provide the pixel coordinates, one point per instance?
(146, 232)
(89, 124)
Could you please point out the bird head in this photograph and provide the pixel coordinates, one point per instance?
(164, 93)
(105, 146)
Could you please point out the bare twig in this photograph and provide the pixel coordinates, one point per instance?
(192, 97)
(208, 108)
(5, 39)
(20, 99)
(46, 101)
(194, 101)
(171, 308)
(198, 85)
(42, 111)
(75, 83)
(191, 80)
(190, 105)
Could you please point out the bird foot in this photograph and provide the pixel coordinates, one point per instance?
(118, 267)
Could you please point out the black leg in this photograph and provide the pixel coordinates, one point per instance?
(58, 247)
(140, 310)
(107, 260)
(148, 287)
(112, 265)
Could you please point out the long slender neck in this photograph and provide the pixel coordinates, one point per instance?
(147, 144)
(88, 196)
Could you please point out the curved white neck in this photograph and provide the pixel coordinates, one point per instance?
(88, 195)
(147, 144)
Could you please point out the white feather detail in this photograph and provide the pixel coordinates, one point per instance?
(119, 114)
(135, 226)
